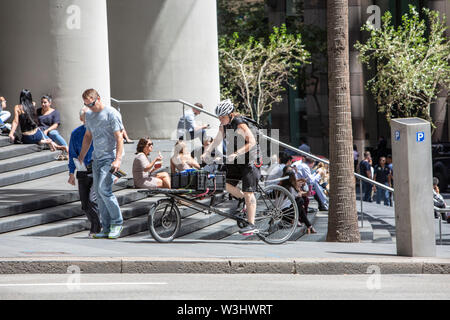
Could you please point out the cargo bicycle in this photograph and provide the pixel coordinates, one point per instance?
(276, 210)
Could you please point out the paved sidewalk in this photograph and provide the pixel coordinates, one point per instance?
(386, 216)
(55, 255)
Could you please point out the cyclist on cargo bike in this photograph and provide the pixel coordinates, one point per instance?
(242, 162)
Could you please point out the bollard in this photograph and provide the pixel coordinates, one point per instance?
(413, 196)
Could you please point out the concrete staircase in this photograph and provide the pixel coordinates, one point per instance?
(36, 200)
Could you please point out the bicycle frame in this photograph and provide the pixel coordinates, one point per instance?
(190, 198)
(202, 206)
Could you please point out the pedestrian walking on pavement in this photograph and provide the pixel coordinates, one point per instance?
(365, 170)
(382, 175)
(104, 129)
(85, 179)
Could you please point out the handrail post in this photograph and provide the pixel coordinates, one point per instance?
(361, 198)
(184, 123)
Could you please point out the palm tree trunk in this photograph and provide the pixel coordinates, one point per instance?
(342, 216)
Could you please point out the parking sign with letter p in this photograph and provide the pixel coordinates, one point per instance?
(420, 136)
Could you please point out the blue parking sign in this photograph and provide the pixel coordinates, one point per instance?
(397, 135)
(420, 136)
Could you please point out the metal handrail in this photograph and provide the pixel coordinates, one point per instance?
(439, 210)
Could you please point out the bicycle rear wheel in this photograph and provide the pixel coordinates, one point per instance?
(276, 214)
(164, 220)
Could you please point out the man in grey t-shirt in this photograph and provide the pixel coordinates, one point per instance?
(104, 129)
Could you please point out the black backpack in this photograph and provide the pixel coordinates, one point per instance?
(256, 128)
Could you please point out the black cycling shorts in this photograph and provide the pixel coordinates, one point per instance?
(249, 174)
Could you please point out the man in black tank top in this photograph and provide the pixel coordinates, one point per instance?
(241, 159)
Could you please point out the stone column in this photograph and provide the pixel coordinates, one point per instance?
(356, 16)
(59, 47)
(163, 49)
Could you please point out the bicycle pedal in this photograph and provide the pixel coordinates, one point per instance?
(249, 234)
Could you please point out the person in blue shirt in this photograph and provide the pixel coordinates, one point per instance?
(365, 170)
(391, 167)
(85, 180)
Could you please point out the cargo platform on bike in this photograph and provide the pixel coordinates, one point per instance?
(276, 210)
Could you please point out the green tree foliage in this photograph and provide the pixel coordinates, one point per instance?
(247, 18)
(254, 72)
(411, 61)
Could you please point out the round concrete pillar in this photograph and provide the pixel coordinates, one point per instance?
(163, 49)
(58, 47)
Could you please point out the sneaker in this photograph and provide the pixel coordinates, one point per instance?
(248, 230)
(100, 235)
(115, 231)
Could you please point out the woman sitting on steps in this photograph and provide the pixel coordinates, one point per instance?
(143, 169)
(25, 118)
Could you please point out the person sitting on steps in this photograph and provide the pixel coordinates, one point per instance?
(49, 121)
(181, 159)
(25, 118)
(143, 169)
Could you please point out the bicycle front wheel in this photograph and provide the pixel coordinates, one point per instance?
(164, 220)
(276, 214)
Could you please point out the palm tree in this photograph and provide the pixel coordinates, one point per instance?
(342, 216)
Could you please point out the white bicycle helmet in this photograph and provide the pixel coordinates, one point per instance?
(224, 108)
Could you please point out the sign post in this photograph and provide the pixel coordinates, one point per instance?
(413, 185)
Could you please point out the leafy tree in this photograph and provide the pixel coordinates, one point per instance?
(254, 71)
(247, 18)
(411, 61)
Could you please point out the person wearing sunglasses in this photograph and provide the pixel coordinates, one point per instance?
(143, 169)
(104, 130)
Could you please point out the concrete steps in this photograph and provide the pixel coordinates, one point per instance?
(32, 173)
(217, 231)
(16, 150)
(49, 215)
(42, 193)
(28, 160)
(4, 141)
(320, 224)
